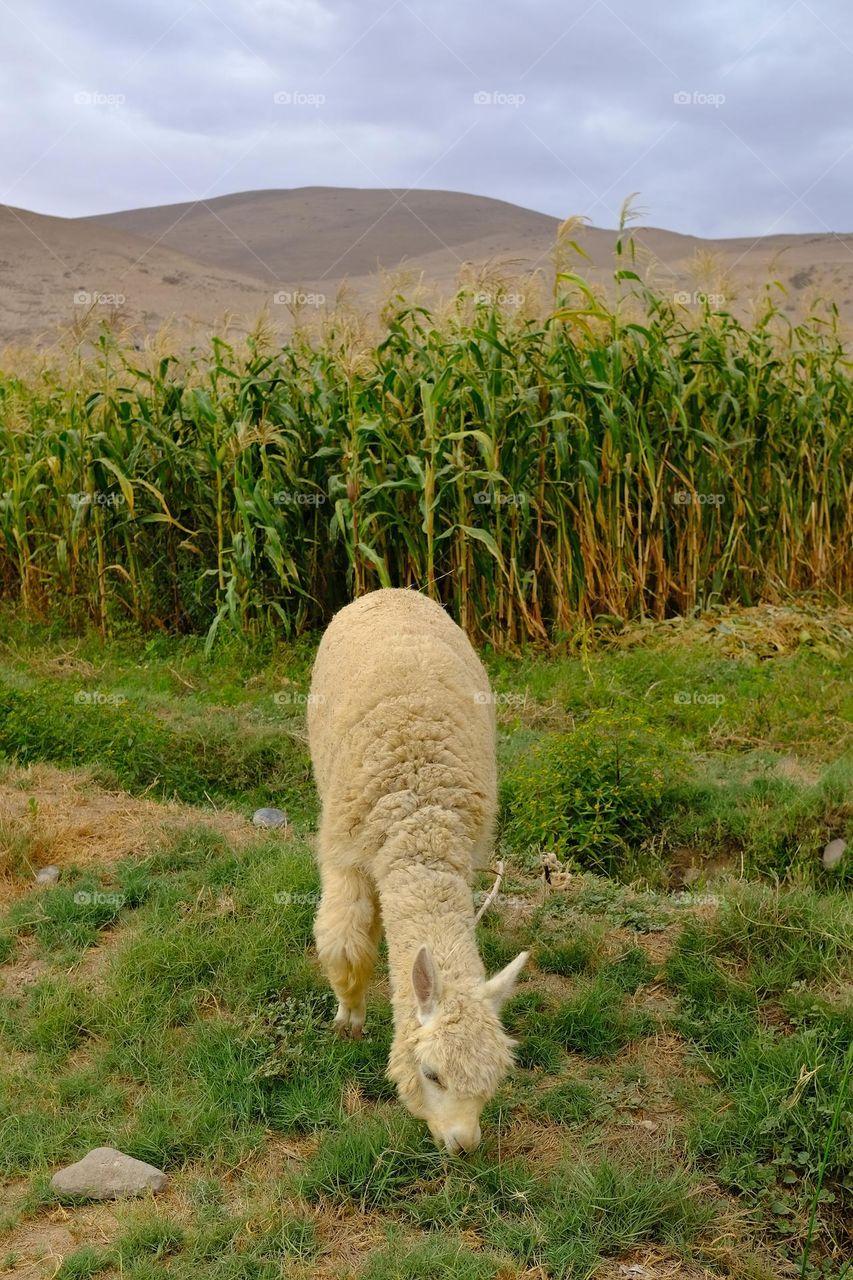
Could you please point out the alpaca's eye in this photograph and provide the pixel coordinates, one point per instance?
(430, 1075)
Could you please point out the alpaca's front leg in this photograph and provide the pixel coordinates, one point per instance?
(347, 932)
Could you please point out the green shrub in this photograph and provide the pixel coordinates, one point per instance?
(592, 795)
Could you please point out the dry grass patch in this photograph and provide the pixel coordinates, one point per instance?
(543, 1145)
(652, 1264)
(281, 1155)
(347, 1239)
(648, 1116)
(61, 817)
(764, 630)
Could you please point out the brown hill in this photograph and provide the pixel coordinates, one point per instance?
(240, 254)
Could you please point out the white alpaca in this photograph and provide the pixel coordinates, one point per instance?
(402, 732)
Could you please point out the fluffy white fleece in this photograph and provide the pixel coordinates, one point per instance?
(402, 733)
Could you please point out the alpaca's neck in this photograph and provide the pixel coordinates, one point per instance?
(426, 906)
(426, 899)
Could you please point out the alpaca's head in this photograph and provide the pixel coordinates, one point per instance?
(450, 1061)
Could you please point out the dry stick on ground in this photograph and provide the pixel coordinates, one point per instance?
(493, 893)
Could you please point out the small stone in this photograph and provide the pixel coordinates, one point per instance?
(269, 818)
(834, 852)
(107, 1174)
(48, 875)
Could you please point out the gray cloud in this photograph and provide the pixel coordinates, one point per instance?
(584, 107)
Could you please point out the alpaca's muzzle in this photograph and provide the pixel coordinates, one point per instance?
(460, 1140)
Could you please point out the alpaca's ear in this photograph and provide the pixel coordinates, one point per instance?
(499, 988)
(425, 983)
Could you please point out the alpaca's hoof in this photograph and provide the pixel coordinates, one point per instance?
(349, 1030)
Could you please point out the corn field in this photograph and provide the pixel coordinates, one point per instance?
(622, 459)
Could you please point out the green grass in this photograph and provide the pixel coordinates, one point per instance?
(590, 1210)
(775, 1051)
(566, 958)
(597, 1021)
(371, 1162)
(227, 738)
(143, 752)
(202, 1036)
(570, 1103)
(580, 1212)
(607, 1209)
(727, 787)
(228, 1248)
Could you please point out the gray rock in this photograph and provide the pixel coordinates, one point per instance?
(834, 852)
(48, 875)
(106, 1174)
(269, 818)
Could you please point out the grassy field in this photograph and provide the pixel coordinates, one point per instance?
(682, 1104)
(622, 456)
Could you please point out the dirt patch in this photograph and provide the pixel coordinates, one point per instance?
(29, 967)
(15, 1061)
(280, 1156)
(663, 1057)
(52, 1231)
(24, 971)
(39, 1245)
(648, 1119)
(38, 1251)
(347, 1239)
(60, 817)
(687, 866)
(794, 770)
(12, 1192)
(657, 946)
(91, 966)
(516, 709)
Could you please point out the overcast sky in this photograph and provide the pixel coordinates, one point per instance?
(730, 117)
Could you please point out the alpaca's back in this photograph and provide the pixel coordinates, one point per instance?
(400, 718)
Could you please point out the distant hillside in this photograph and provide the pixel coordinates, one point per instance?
(237, 255)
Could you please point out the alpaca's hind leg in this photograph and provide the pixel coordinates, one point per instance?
(347, 934)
